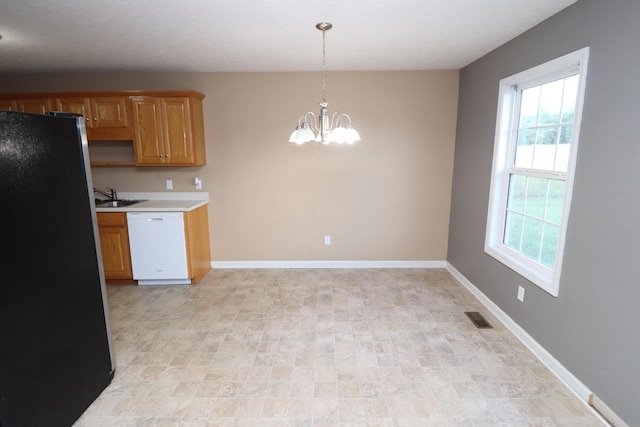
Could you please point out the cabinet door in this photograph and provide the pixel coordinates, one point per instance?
(75, 105)
(35, 105)
(196, 226)
(148, 145)
(109, 112)
(176, 123)
(9, 104)
(114, 244)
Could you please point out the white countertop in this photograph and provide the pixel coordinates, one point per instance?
(160, 202)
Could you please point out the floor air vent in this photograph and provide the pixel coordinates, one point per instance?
(478, 320)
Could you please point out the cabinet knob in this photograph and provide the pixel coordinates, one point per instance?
(95, 119)
(86, 118)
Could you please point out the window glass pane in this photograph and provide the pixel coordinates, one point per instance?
(524, 149)
(547, 135)
(529, 107)
(555, 201)
(517, 187)
(549, 245)
(531, 238)
(550, 103)
(542, 109)
(545, 149)
(564, 147)
(513, 231)
(569, 98)
(536, 197)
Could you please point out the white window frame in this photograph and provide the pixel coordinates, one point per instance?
(503, 158)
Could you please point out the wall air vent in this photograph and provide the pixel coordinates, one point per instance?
(478, 320)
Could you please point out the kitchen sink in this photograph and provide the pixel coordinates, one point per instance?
(116, 203)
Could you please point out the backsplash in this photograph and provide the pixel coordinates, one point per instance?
(165, 195)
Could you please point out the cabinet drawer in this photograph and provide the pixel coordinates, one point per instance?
(115, 218)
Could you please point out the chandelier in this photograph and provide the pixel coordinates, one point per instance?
(321, 128)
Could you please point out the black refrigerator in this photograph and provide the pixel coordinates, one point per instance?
(56, 354)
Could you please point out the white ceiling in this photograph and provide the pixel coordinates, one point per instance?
(258, 35)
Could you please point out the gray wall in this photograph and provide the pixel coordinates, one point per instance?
(590, 328)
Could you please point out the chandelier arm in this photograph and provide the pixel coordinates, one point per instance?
(345, 115)
(333, 121)
(313, 124)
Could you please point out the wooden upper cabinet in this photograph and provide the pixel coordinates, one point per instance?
(75, 105)
(168, 131)
(35, 105)
(109, 112)
(161, 128)
(107, 118)
(147, 130)
(9, 104)
(177, 128)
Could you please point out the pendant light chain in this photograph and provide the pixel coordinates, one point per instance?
(324, 66)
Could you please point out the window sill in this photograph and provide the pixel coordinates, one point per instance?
(540, 276)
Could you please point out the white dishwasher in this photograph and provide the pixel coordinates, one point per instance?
(158, 248)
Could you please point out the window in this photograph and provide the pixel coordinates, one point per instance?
(535, 150)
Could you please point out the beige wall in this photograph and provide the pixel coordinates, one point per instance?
(384, 198)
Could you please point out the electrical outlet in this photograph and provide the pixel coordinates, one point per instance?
(521, 293)
(169, 184)
(327, 240)
(198, 183)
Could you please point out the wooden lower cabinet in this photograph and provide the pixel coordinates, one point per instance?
(114, 243)
(196, 228)
(116, 255)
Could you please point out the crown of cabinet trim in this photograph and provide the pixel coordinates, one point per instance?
(169, 134)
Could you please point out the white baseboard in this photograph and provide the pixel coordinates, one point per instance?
(327, 264)
(606, 412)
(562, 373)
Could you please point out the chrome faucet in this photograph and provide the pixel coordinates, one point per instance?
(112, 194)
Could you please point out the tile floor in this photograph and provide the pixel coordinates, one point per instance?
(374, 347)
